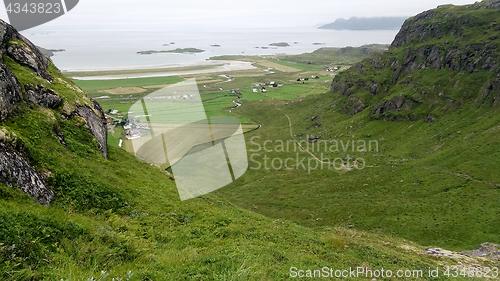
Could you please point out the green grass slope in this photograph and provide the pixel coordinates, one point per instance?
(434, 176)
(122, 219)
(335, 56)
(434, 183)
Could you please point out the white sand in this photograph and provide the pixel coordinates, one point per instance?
(227, 66)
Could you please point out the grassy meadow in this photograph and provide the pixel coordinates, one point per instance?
(401, 192)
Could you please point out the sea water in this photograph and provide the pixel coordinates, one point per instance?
(108, 49)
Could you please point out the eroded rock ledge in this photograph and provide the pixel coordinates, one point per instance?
(15, 170)
(96, 124)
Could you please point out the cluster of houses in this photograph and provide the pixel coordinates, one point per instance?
(133, 128)
(307, 79)
(115, 111)
(270, 84)
(333, 69)
(263, 86)
(135, 131)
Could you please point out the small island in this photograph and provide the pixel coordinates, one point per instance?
(280, 44)
(176, 51)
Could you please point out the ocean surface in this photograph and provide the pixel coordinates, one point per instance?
(117, 49)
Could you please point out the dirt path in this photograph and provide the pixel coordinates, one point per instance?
(464, 176)
(291, 135)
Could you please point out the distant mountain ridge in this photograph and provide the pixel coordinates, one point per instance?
(375, 23)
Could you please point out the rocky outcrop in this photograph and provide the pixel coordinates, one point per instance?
(442, 40)
(23, 51)
(26, 54)
(471, 58)
(10, 92)
(494, 5)
(96, 124)
(488, 250)
(313, 139)
(26, 57)
(43, 96)
(15, 170)
(456, 56)
(396, 104)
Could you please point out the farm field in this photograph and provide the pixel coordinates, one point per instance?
(215, 89)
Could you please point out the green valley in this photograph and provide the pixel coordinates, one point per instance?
(371, 157)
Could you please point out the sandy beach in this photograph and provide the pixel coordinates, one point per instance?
(173, 70)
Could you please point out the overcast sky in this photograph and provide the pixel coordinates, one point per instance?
(229, 14)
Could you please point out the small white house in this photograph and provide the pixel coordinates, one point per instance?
(255, 90)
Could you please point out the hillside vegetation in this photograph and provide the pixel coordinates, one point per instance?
(431, 104)
(336, 56)
(72, 208)
(108, 216)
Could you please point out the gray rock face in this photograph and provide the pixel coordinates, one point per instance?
(10, 92)
(313, 139)
(26, 57)
(421, 32)
(494, 5)
(15, 170)
(6, 31)
(23, 51)
(43, 96)
(485, 250)
(401, 103)
(382, 73)
(429, 119)
(96, 124)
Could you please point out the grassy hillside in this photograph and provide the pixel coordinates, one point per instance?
(431, 177)
(434, 183)
(120, 219)
(346, 56)
(117, 217)
(431, 105)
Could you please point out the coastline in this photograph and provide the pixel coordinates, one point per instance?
(176, 69)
